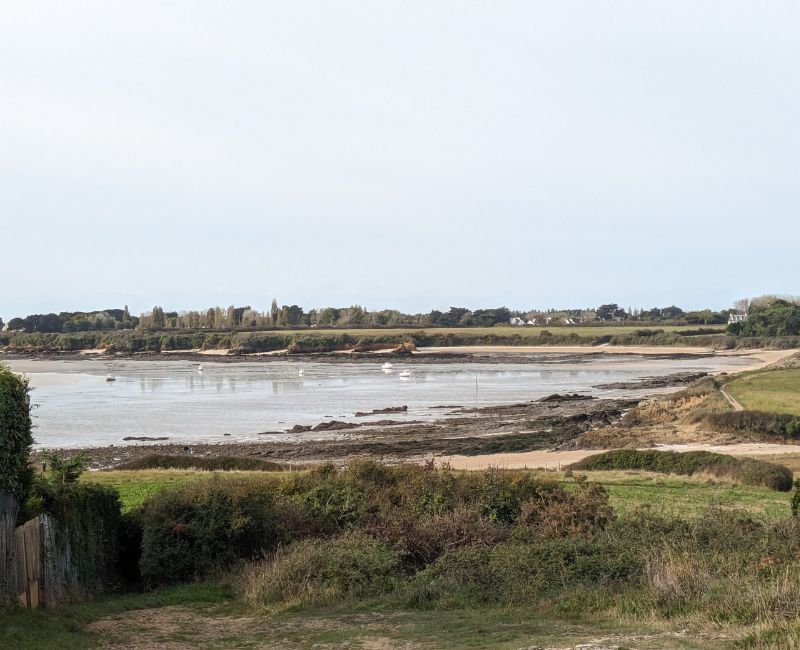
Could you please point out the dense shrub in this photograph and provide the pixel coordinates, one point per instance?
(87, 528)
(421, 540)
(208, 463)
(200, 528)
(515, 573)
(319, 572)
(774, 425)
(780, 319)
(15, 434)
(581, 513)
(748, 471)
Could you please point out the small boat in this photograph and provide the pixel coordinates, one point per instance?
(301, 372)
(200, 368)
(404, 374)
(387, 366)
(110, 377)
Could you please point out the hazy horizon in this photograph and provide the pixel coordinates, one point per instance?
(402, 155)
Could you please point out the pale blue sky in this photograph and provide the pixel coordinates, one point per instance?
(406, 154)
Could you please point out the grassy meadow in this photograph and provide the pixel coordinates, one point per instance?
(775, 391)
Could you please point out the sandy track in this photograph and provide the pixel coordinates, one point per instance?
(558, 459)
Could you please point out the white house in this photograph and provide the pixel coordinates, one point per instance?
(736, 318)
(516, 320)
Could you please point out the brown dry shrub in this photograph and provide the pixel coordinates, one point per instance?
(421, 541)
(581, 513)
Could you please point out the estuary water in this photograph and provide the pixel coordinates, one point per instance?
(76, 407)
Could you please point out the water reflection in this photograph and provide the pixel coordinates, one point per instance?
(172, 398)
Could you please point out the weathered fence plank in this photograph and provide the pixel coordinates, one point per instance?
(29, 550)
(8, 562)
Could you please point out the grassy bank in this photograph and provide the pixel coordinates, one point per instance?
(776, 391)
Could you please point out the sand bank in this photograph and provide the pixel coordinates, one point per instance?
(559, 459)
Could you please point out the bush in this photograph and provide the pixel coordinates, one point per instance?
(320, 572)
(200, 528)
(420, 541)
(581, 513)
(514, 574)
(15, 434)
(775, 425)
(208, 463)
(87, 530)
(748, 471)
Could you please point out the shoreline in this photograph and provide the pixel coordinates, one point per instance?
(472, 353)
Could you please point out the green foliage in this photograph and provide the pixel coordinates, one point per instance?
(88, 522)
(793, 428)
(66, 470)
(200, 528)
(419, 511)
(15, 434)
(795, 503)
(748, 471)
(323, 571)
(210, 463)
(765, 424)
(780, 319)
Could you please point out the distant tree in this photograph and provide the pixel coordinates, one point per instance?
(158, 318)
(671, 313)
(274, 312)
(611, 311)
(742, 306)
(781, 319)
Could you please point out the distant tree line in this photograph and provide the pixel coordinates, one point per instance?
(773, 317)
(76, 321)
(356, 316)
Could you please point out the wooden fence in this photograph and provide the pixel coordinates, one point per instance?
(30, 583)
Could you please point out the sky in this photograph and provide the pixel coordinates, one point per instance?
(413, 155)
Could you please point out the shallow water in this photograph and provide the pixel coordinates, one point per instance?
(77, 407)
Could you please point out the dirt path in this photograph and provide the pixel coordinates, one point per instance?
(736, 406)
(555, 460)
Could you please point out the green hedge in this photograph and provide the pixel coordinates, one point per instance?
(748, 471)
(776, 425)
(88, 521)
(15, 434)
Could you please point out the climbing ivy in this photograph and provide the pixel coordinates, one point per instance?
(15, 434)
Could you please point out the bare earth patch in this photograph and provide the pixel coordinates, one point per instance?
(187, 628)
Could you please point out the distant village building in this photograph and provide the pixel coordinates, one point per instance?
(736, 318)
(516, 320)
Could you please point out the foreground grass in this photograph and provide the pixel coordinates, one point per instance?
(775, 391)
(135, 486)
(64, 627)
(208, 615)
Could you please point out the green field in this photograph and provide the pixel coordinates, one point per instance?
(776, 391)
(134, 486)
